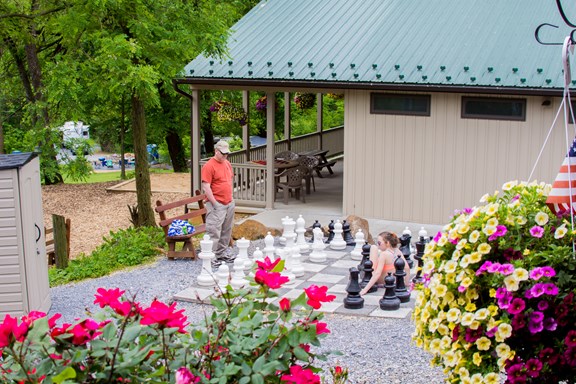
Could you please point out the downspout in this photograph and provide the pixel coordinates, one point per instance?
(192, 165)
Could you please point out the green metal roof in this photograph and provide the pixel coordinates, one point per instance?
(394, 43)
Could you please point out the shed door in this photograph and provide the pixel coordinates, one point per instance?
(35, 262)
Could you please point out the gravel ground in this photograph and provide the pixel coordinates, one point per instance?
(374, 350)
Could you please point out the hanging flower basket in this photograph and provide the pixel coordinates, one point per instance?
(305, 100)
(261, 104)
(215, 107)
(498, 301)
(336, 96)
(230, 112)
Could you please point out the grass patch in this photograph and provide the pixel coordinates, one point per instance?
(124, 248)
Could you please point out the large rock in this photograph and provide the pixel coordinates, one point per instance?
(252, 230)
(356, 223)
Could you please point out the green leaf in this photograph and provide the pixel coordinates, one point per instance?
(257, 379)
(280, 266)
(67, 373)
(301, 354)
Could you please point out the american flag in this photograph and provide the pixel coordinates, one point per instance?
(559, 198)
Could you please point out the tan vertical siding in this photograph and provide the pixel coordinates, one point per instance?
(11, 289)
(421, 169)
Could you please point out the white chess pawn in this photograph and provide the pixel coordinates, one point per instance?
(269, 246)
(338, 242)
(282, 239)
(258, 255)
(422, 233)
(243, 245)
(287, 257)
(223, 275)
(296, 262)
(238, 279)
(407, 231)
(318, 255)
(300, 231)
(206, 278)
(356, 253)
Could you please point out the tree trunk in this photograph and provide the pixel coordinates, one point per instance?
(207, 131)
(143, 189)
(176, 151)
(122, 131)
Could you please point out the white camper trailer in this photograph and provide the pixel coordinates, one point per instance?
(75, 130)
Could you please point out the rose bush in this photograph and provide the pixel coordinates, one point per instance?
(497, 303)
(248, 338)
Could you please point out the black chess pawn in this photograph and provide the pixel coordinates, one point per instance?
(365, 256)
(405, 249)
(347, 234)
(314, 226)
(389, 302)
(330, 232)
(353, 300)
(401, 291)
(367, 276)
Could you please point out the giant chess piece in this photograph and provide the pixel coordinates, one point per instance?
(401, 291)
(205, 278)
(356, 253)
(405, 240)
(300, 231)
(365, 256)
(420, 246)
(347, 234)
(269, 246)
(243, 245)
(258, 255)
(238, 277)
(368, 276)
(223, 275)
(286, 255)
(315, 225)
(297, 268)
(330, 232)
(338, 242)
(285, 221)
(353, 300)
(318, 255)
(389, 302)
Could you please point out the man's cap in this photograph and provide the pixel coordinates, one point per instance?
(222, 146)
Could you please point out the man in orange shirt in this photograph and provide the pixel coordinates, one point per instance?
(217, 180)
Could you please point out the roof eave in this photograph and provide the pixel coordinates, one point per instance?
(219, 83)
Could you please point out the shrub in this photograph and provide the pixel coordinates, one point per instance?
(124, 248)
(249, 338)
(498, 299)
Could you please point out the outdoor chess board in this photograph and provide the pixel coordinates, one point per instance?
(333, 273)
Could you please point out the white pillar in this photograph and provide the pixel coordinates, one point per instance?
(270, 129)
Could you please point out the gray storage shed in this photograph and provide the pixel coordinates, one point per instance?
(24, 283)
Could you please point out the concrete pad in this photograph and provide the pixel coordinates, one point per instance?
(194, 295)
(326, 278)
(401, 313)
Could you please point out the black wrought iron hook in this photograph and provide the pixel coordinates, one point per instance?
(537, 32)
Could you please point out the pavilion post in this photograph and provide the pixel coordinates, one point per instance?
(270, 129)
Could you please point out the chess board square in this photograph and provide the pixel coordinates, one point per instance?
(345, 263)
(338, 288)
(401, 313)
(331, 254)
(330, 307)
(336, 271)
(365, 311)
(293, 293)
(194, 295)
(372, 300)
(314, 267)
(327, 278)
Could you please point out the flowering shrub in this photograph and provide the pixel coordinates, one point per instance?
(305, 100)
(498, 304)
(247, 339)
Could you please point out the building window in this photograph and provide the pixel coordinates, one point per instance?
(493, 108)
(397, 104)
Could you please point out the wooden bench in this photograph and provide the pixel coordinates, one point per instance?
(50, 246)
(196, 217)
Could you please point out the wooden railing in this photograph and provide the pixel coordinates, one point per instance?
(250, 179)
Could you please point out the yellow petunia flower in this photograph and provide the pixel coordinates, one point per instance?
(450, 266)
(465, 261)
(484, 198)
(492, 292)
(493, 222)
(521, 274)
(477, 378)
(541, 218)
(466, 282)
(467, 319)
(453, 315)
(444, 330)
(440, 290)
(492, 208)
(504, 331)
(463, 228)
(434, 346)
(492, 378)
(473, 238)
(475, 257)
(477, 358)
(511, 283)
(526, 252)
(483, 343)
(502, 350)
(509, 185)
(470, 307)
(560, 231)
(521, 220)
(482, 314)
(489, 230)
(461, 244)
(484, 248)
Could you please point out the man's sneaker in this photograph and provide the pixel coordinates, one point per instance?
(227, 256)
(215, 263)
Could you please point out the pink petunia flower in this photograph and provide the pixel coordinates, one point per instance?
(516, 306)
(536, 273)
(550, 289)
(506, 269)
(500, 231)
(537, 231)
(548, 271)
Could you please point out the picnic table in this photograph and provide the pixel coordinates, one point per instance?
(322, 160)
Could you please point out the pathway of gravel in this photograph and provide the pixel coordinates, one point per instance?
(374, 350)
